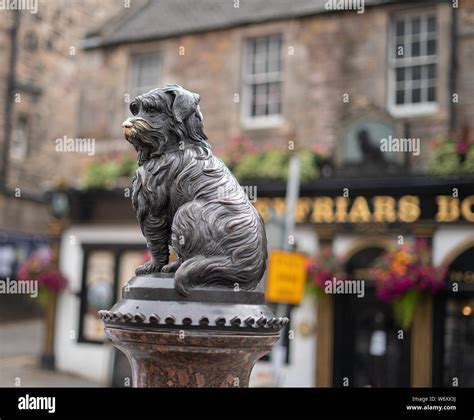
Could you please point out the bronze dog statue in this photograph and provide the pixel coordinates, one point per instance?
(185, 197)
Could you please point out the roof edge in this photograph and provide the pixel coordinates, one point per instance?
(218, 27)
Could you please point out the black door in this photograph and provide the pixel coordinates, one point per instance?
(369, 349)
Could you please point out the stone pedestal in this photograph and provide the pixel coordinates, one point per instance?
(211, 338)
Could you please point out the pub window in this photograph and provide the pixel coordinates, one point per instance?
(459, 342)
(453, 325)
(145, 73)
(413, 62)
(106, 270)
(262, 78)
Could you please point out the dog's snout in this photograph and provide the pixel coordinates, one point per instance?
(127, 124)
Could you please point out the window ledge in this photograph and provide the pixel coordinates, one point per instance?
(262, 122)
(408, 111)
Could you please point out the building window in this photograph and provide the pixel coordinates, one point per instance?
(19, 141)
(106, 270)
(145, 74)
(262, 78)
(413, 63)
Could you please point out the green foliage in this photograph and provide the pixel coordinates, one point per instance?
(249, 167)
(468, 165)
(445, 160)
(269, 165)
(128, 166)
(104, 174)
(309, 165)
(273, 165)
(404, 308)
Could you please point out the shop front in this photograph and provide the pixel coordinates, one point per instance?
(337, 341)
(358, 342)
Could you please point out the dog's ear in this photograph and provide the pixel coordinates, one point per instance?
(185, 102)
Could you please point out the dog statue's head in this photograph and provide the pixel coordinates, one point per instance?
(164, 120)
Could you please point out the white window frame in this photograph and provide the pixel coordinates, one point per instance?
(410, 109)
(139, 90)
(249, 79)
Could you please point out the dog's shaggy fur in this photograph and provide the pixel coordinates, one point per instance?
(186, 197)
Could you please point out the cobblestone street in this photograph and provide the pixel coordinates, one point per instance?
(20, 347)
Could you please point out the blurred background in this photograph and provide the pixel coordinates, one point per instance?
(373, 99)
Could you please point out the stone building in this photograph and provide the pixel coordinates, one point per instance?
(306, 72)
(272, 71)
(294, 60)
(41, 48)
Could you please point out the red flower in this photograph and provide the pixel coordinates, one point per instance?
(395, 274)
(40, 266)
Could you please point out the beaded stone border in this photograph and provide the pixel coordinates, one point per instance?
(203, 321)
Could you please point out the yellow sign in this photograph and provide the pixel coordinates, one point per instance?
(286, 277)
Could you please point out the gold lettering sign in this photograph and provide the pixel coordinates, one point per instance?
(448, 208)
(342, 203)
(323, 210)
(382, 209)
(360, 211)
(409, 209)
(303, 208)
(466, 208)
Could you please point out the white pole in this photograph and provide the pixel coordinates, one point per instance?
(292, 194)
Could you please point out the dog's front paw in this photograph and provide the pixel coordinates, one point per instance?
(148, 268)
(171, 267)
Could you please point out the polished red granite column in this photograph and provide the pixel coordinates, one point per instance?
(190, 359)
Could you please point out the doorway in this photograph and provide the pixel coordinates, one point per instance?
(369, 349)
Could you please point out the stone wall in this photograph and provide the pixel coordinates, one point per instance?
(47, 95)
(66, 91)
(334, 54)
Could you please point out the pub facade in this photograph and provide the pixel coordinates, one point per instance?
(335, 81)
(346, 340)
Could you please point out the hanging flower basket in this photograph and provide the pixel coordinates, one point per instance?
(321, 268)
(40, 267)
(403, 276)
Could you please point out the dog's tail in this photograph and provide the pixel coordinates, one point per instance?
(206, 271)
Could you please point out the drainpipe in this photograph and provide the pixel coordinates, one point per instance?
(453, 70)
(9, 102)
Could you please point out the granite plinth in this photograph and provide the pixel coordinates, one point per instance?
(210, 338)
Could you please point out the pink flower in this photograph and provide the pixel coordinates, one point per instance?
(40, 266)
(419, 273)
(320, 149)
(53, 281)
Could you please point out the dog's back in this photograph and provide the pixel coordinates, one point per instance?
(219, 233)
(216, 232)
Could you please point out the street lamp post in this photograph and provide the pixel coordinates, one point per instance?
(59, 209)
